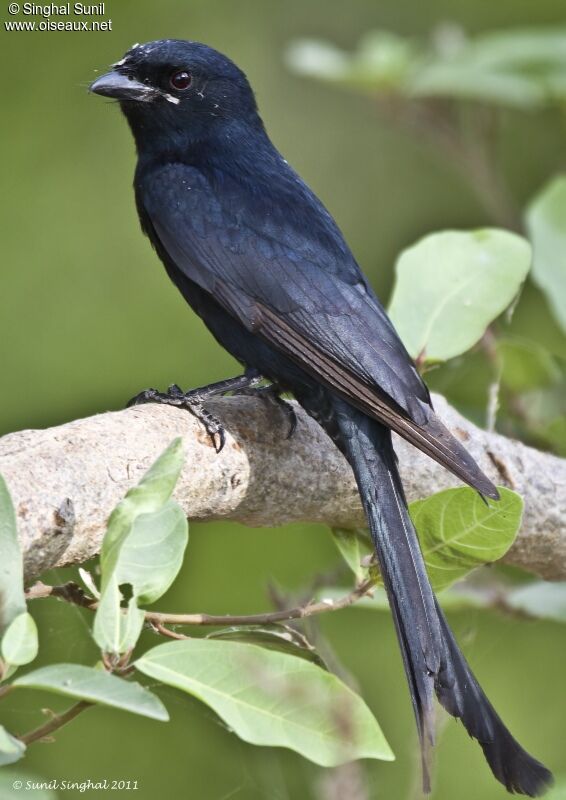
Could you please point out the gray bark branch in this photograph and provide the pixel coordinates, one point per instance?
(65, 480)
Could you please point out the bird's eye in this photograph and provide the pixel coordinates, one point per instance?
(180, 80)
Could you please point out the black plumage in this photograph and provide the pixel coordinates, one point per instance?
(260, 259)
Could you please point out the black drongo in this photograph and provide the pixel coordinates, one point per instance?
(259, 258)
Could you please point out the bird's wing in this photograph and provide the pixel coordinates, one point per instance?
(297, 286)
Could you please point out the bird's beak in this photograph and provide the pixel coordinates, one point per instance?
(120, 86)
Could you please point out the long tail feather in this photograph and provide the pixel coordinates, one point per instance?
(462, 696)
(432, 659)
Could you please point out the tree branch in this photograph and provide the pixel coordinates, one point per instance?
(65, 480)
(54, 723)
(73, 593)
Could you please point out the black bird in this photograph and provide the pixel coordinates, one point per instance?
(259, 258)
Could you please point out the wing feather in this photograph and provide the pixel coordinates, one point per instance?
(305, 295)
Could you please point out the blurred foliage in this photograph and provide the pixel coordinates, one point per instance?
(88, 318)
(522, 69)
(453, 92)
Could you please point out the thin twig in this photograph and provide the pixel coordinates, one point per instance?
(159, 628)
(55, 723)
(68, 592)
(299, 612)
(488, 344)
(71, 592)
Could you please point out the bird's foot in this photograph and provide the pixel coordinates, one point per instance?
(272, 394)
(194, 401)
(191, 401)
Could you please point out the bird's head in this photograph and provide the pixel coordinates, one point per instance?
(178, 86)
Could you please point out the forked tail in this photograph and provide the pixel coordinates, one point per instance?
(433, 661)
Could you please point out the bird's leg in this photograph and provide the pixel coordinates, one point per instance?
(194, 401)
(272, 393)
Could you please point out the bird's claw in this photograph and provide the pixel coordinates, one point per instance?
(191, 401)
(272, 394)
(147, 396)
(291, 416)
(221, 438)
(212, 425)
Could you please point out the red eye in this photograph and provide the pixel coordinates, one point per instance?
(180, 80)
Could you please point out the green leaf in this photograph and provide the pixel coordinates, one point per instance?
(116, 629)
(459, 531)
(143, 550)
(450, 286)
(540, 599)
(150, 494)
(353, 545)
(274, 636)
(152, 554)
(546, 223)
(11, 749)
(95, 686)
(12, 598)
(271, 699)
(19, 643)
(89, 582)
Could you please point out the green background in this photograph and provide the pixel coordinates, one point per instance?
(88, 318)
